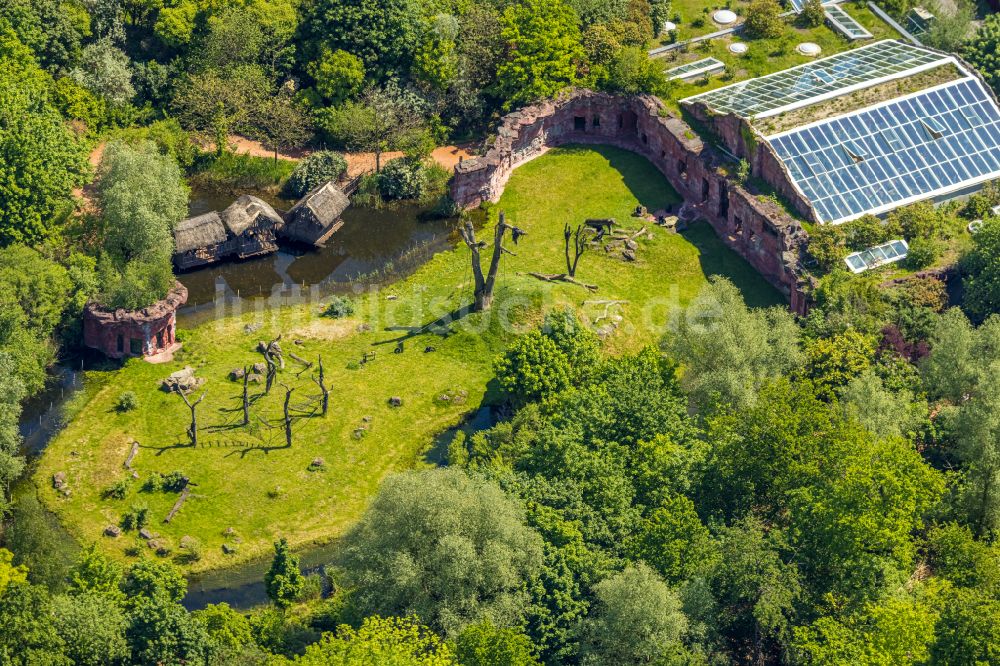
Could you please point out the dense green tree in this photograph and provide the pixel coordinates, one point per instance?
(845, 301)
(674, 541)
(12, 392)
(978, 435)
(545, 362)
(834, 361)
(487, 645)
(50, 28)
(9, 573)
(40, 160)
(983, 50)
(106, 71)
(728, 350)
(390, 641)
(632, 72)
(886, 411)
(339, 75)
(631, 400)
(544, 52)
(28, 635)
(161, 631)
(763, 20)
(636, 619)
(254, 33)
(436, 61)
(92, 626)
(851, 523)
(142, 196)
(229, 630)
(381, 119)
(755, 589)
(812, 14)
(284, 580)
(450, 548)
(315, 170)
(899, 630)
(147, 579)
(216, 103)
(96, 573)
(968, 630)
(981, 265)
(383, 33)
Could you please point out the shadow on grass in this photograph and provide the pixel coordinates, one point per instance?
(483, 417)
(442, 323)
(160, 450)
(717, 259)
(639, 175)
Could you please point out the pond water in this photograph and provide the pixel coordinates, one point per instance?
(374, 245)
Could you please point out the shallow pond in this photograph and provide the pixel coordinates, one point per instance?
(373, 246)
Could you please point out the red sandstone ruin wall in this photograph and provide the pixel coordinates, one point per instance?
(734, 133)
(760, 231)
(102, 327)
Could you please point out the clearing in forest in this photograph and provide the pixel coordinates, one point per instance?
(248, 488)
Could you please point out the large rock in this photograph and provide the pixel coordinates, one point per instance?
(183, 381)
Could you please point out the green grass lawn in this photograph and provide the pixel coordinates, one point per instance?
(768, 55)
(245, 479)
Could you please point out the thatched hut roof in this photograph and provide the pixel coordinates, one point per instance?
(203, 231)
(316, 215)
(326, 204)
(246, 211)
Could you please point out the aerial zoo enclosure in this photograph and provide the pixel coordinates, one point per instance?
(757, 229)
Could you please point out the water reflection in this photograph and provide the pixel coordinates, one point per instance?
(372, 246)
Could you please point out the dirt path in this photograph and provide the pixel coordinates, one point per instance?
(357, 163)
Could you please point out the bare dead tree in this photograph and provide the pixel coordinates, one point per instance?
(246, 397)
(579, 247)
(193, 428)
(321, 382)
(483, 295)
(288, 416)
(272, 371)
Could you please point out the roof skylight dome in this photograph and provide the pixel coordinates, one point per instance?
(724, 17)
(809, 49)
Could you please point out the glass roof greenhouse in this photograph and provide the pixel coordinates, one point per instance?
(821, 79)
(924, 145)
(879, 255)
(696, 68)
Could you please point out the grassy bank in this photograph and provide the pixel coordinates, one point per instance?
(247, 480)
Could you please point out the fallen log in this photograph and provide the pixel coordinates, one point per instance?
(131, 456)
(178, 504)
(562, 277)
(301, 360)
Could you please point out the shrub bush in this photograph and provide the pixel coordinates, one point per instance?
(174, 482)
(338, 307)
(812, 14)
(764, 20)
(315, 170)
(402, 178)
(117, 490)
(923, 252)
(127, 401)
(136, 517)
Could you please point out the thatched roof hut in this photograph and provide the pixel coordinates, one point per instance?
(317, 215)
(247, 228)
(249, 211)
(199, 240)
